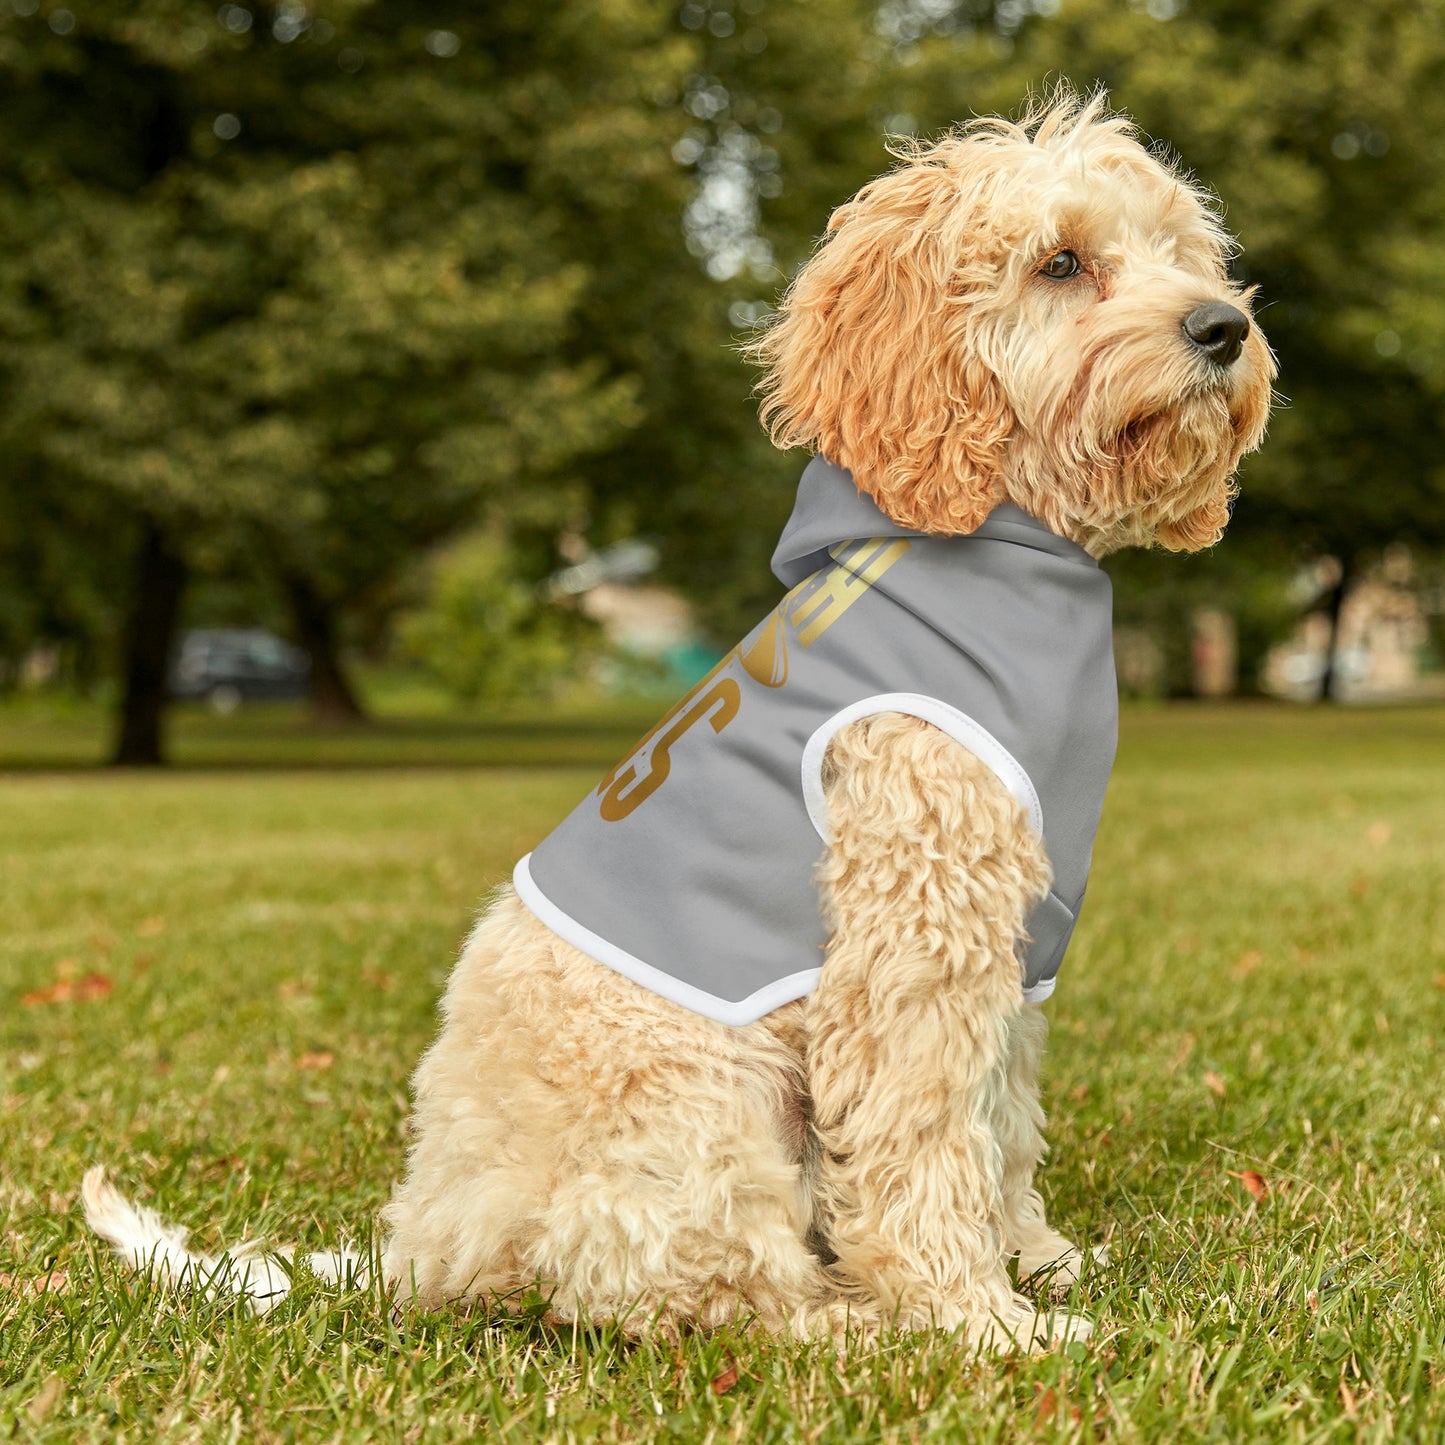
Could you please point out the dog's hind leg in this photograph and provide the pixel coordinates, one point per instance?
(577, 1135)
(1018, 1125)
(679, 1197)
(931, 869)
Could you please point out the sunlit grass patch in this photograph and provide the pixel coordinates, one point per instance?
(1243, 1084)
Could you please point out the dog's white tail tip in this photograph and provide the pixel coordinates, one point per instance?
(139, 1235)
(147, 1243)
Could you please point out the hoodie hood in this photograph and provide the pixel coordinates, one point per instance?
(830, 508)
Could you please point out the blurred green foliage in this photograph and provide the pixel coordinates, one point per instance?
(313, 292)
(304, 289)
(484, 632)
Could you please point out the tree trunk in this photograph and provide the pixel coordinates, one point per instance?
(333, 699)
(150, 631)
(1329, 679)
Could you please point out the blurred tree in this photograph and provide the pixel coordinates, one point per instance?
(779, 117)
(307, 281)
(59, 573)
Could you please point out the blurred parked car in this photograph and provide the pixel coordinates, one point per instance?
(230, 665)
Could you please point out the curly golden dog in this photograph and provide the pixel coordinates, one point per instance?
(1032, 315)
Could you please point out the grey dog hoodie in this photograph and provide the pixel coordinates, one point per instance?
(690, 868)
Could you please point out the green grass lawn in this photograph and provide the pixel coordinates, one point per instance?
(216, 980)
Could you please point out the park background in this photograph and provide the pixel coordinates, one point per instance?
(408, 333)
(382, 325)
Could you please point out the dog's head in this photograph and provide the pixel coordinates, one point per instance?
(1035, 312)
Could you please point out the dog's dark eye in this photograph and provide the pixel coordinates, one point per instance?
(1060, 266)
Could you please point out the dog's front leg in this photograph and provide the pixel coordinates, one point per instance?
(931, 869)
(1043, 1253)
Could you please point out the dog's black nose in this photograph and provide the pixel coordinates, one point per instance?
(1218, 331)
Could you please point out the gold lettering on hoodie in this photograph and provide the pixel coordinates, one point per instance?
(811, 608)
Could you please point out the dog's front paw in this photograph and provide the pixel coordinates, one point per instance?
(1061, 1327)
(1023, 1326)
(1056, 1267)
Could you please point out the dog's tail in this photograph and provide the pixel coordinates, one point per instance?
(147, 1243)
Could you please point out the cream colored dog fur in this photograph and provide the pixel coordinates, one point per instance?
(998, 318)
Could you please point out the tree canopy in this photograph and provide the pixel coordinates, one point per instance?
(318, 288)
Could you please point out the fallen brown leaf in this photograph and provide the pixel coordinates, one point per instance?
(1254, 1183)
(1214, 1083)
(1046, 1407)
(56, 993)
(724, 1382)
(45, 1399)
(1080, 1094)
(1359, 886)
(1181, 1054)
(1248, 963)
(320, 1059)
(82, 990)
(56, 1282)
(377, 978)
(1440, 980)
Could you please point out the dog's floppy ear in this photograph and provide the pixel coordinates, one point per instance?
(873, 358)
